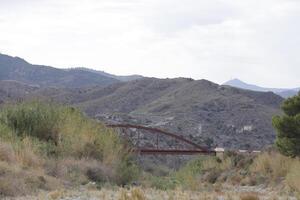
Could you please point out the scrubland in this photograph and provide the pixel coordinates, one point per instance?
(47, 147)
(51, 151)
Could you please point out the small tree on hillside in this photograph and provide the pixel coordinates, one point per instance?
(288, 127)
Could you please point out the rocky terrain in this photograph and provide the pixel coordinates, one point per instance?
(14, 90)
(208, 113)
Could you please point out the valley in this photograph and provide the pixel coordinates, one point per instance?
(55, 140)
(211, 114)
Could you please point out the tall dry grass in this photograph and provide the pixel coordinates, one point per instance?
(75, 150)
(60, 143)
(132, 194)
(7, 153)
(272, 165)
(269, 168)
(293, 176)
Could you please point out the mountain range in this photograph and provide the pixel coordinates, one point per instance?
(15, 68)
(285, 93)
(207, 113)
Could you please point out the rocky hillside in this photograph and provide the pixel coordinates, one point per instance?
(15, 91)
(201, 110)
(208, 113)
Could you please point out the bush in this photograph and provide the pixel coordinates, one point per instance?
(272, 164)
(162, 183)
(62, 143)
(127, 171)
(288, 127)
(293, 177)
(33, 119)
(15, 180)
(62, 131)
(7, 153)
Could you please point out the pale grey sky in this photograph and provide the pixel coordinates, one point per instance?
(257, 41)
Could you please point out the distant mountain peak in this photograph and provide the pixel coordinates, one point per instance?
(243, 85)
(235, 80)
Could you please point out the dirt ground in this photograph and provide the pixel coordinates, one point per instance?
(115, 193)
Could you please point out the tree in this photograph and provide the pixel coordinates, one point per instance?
(288, 127)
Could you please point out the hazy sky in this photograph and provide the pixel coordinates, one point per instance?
(257, 41)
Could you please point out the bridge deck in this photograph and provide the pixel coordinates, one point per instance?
(195, 148)
(174, 152)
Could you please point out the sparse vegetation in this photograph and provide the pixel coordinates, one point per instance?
(44, 146)
(272, 165)
(293, 177)
(138, 193)
(49, 147)
(270, 169)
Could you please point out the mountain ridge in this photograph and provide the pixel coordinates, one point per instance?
(226, 115)
(118, 77)
(284, 92)
(18, 69)
(206, 112)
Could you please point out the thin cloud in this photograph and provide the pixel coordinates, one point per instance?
(255, 40)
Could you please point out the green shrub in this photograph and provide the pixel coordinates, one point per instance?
(288, 127)
(5, 132)
(64, 143)
(163, 183)
(61, 131)
(127, 171)
(33, 119)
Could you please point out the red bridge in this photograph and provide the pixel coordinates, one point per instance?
(147, 141)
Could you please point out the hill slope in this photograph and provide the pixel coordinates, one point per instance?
(202, 110)
(285, 93)
(14, 68)
(15, 91)
(120, 78)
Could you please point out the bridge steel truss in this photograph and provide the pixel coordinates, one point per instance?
(195, 148)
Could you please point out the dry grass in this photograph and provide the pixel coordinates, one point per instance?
(26, 154)
(151, 194)
(7, 153)
(132, 194)
(249, 196)
(79, 152)
(272, 164)
(57, 194)
(212, 163)
(17, 181)
(43, 143)
(293, 177)
(205, 169)
(279, 169)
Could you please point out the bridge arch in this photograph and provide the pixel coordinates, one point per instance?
(196, 149)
